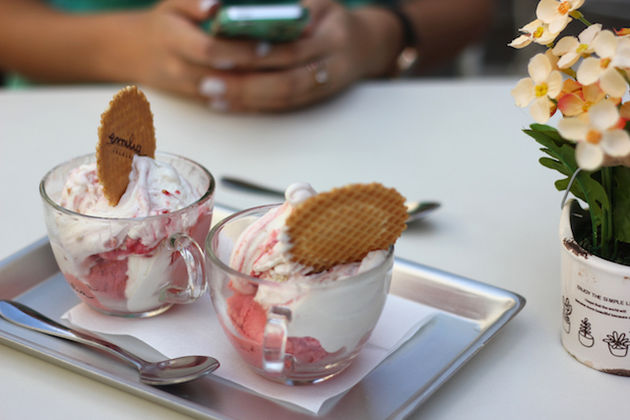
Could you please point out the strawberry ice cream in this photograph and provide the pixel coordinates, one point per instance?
(329, 313)
(116, 257)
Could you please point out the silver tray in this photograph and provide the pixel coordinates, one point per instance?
(469, 313)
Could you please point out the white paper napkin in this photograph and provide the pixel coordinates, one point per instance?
(172, 335)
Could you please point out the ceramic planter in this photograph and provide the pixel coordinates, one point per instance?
(595, 304)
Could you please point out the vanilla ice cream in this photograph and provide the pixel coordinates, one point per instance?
(116, 261)
(263, 251)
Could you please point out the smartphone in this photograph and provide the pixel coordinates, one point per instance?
(280, 22)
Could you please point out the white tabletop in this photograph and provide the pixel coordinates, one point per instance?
(458, 142)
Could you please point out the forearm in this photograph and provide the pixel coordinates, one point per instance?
(445, 27)
(442, 29)
(380, 40)
(46, 45)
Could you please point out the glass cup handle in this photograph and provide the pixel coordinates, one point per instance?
(275, 339)
(193, 257)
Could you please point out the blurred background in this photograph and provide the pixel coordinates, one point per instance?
(492, 56)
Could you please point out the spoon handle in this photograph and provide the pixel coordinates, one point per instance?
(247, 186)
(24, 316)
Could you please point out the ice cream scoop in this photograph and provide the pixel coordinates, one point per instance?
(165, 372)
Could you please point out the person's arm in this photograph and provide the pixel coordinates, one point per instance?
(159, 46)
(445, 27)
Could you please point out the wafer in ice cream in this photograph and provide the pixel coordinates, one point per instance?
(345, 224)
(126, 130)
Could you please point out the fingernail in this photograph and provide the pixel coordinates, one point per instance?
(211, 86)
(263, 48)
(223, 65)
(206, 5)
(218, 104)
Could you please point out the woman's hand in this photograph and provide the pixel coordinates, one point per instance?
(338, 48)
(167, 48)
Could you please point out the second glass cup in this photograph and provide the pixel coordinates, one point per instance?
(295, 331)
(132, 267)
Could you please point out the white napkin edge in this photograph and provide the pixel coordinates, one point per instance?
(308, 397)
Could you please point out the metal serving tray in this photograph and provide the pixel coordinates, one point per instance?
(469, 313)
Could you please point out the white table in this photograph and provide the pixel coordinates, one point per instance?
(455, 141)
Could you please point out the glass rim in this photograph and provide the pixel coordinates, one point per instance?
(215, 260)
(204, 197)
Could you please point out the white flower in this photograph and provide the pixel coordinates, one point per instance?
(597, 134)
(614, 53)
(570, 48)
(536, 31)
(556, 13)
(544, 83)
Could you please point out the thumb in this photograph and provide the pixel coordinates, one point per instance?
(196, 10)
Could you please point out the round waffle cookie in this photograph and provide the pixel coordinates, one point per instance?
(126, 130)
(343, 225)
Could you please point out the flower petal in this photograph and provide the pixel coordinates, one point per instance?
(558, 24)
(547, 10)
(539, 68)
(576, 4)
(588, 156)
(566, 44)
(520, 42)
(570, 85)
(547, 37)
(573, 128)
(605, 44)
(531, 27)
(570, 105)
(612, 82)
(593, 93)
(603, 115)
(523, 92)
(622, 55)
(541, 110)
(554, 84)
(568, 59)
(587, 35)
(616, 143)
(589, 71)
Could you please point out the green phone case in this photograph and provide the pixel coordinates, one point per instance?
(267, 28)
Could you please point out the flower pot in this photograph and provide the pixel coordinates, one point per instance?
(595, 303)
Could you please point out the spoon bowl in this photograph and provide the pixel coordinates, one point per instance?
(178, 370)
(165, 372)
(417, 210)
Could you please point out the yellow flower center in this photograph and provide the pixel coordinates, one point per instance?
(581, 48)
(593, 136)
(538, 32)
(541, 89)
(564, 7)
(604, 62)
(586, 106)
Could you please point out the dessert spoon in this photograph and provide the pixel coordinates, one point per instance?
(165, 372)
(415, 209)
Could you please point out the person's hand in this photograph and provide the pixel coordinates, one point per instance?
(339, 48)
(166, 48)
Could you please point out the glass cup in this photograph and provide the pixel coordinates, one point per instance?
(132, 267)
(296, 331)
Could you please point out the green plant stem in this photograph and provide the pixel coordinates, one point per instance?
(576, 14)
(607, 221)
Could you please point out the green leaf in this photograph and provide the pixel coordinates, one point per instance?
(621, 203)
(562, 153)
